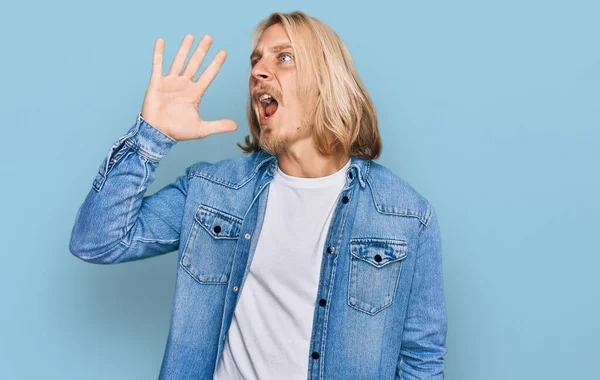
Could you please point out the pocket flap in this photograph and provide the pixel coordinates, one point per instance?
(218, 224)
(377, 251)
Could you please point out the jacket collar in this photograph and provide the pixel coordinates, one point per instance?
(358, 166)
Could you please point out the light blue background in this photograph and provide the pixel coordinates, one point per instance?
(490, 110)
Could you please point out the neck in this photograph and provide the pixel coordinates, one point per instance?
(309, 163)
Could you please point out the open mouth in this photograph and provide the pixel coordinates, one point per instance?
(267, 106)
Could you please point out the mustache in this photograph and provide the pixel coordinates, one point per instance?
(266, 88)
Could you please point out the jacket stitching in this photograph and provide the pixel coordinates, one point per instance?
(224, 183)
(407, 212)
(220, 181)
(142, 152)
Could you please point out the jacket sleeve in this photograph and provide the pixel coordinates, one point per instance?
(424, 337)
(116, 222)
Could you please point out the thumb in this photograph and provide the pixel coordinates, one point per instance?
(219, 126)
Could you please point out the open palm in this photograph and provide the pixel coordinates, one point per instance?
(171, 102)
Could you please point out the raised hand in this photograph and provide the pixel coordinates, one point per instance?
(171, 102)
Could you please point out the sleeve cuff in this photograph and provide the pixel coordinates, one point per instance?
(149, 141)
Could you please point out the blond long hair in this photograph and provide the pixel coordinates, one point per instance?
(342, 106)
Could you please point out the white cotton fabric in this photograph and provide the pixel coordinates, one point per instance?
(272, 323)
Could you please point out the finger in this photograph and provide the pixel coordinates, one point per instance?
(198, 56)
(159, 48)
(218, 126)
(211, 71)
(182, 54)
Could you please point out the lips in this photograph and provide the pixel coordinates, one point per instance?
(266, 110)
(263, 114)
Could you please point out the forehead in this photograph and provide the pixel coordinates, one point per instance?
(273, 35)
(274, 39)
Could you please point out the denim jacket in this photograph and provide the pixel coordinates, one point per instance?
(379, 310)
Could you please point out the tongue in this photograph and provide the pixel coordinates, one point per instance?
(271, 108)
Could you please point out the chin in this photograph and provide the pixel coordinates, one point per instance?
(271, 142)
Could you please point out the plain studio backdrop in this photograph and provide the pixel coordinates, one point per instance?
(490, 110)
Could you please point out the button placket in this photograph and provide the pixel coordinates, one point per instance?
(341, 212)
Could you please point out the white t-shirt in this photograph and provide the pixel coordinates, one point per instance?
(271, 326)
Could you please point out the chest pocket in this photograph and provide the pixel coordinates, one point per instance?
(375, 266)
(208, 252)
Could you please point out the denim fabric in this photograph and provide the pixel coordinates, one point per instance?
(379, 311)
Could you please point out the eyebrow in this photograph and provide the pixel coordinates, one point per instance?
(274, 49)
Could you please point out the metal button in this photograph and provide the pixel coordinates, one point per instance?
(322, 302)
(247, 236)
(377, 258)
(315, 355)
(345, 199)
(330, 249)
(235, 288)
(217, 229)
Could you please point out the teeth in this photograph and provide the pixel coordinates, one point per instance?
(266, 98)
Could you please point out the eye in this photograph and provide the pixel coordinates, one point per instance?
(286, 55)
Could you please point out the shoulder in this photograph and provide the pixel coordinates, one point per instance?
(394, 195)
(232, 172)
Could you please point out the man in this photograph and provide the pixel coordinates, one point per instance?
(301, 259)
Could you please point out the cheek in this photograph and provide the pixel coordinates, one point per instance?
(293, 103)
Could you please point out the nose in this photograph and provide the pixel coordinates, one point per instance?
(260, 71)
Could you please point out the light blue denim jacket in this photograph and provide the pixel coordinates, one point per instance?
(379, 309)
